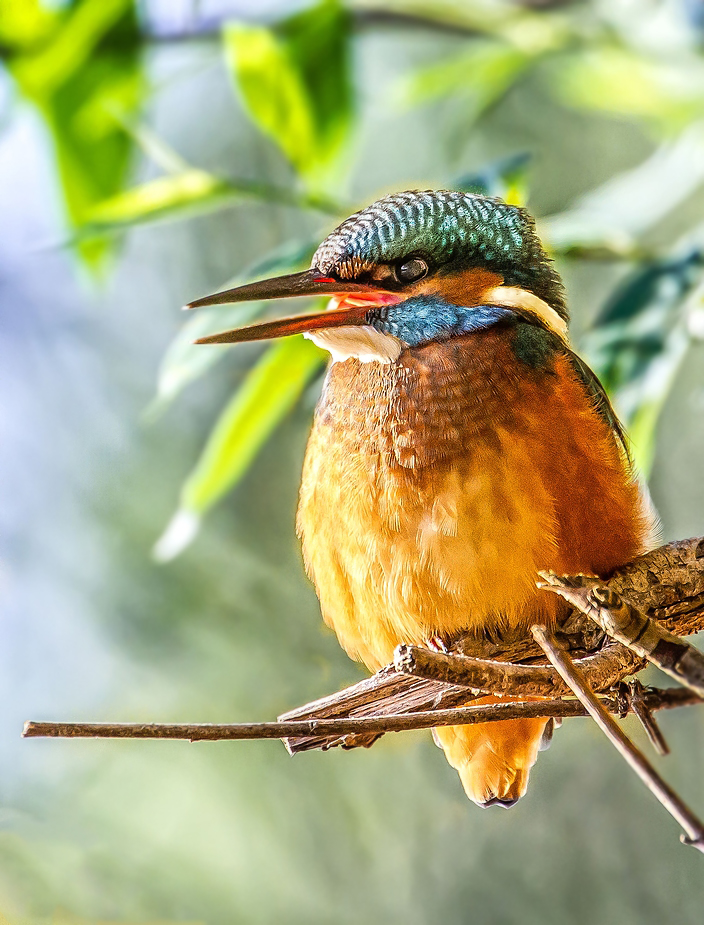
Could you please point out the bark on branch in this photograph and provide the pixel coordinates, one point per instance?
(620, 620)
(619, 704)
(666, 584)
(605, 669)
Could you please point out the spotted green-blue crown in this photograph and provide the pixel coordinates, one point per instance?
(453, 231)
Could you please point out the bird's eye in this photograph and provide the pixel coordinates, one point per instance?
(411, 269)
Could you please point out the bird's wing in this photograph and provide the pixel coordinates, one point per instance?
(602, 403)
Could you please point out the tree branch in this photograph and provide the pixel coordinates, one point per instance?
(422, 689)
(620, 620)
(605, 669)
(668, 583)
(655, 699)
(575, 678)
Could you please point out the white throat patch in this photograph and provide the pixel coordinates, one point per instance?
(363, 342)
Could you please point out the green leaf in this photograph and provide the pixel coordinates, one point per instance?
(185, 361)
(179, 195)
(640, 342)
(267, 395)
(25, 23)
(81, 80)
(668, 94)
(484, 74)
(295, 82)
(318, 43)
(269, 392)
(664, 283)
(273, 91)
(652, 392)
(184, 195)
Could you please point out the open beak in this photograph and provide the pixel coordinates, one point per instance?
(355, 299)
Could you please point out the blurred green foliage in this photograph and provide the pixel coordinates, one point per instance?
(268, 393)
(184, 361)
(296, 83)
(615, 79)
(496, 92)
(82, 66)
(507, 178)
(640, 341)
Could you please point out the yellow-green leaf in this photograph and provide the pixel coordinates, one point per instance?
(619, 80)
(80, 35)
(23, 24)
(484, 73)
(267, 395)
(190, 191)
(294, 80)
(273, 91)
(84, 77)
(184, 360)
(185, 194)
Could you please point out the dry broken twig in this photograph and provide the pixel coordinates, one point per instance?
(645, 716)
(573, 675)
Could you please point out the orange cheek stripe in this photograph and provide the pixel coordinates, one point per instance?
(466, 288)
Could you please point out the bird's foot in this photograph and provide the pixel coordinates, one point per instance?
(436, 644)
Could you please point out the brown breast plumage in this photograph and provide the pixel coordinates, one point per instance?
(435, 487)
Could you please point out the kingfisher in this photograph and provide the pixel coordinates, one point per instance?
(459, 445)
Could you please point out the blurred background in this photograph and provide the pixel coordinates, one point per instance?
(153, 152)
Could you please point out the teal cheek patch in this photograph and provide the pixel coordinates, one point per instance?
(424, 319)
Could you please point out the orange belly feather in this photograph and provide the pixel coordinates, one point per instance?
(433, 491)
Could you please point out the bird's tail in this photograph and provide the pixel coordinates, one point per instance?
(493, 759)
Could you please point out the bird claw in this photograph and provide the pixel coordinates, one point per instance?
(436, 644)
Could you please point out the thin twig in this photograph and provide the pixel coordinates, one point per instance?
(573, 676)
(646, 718)
(362, 19)
(657, 699)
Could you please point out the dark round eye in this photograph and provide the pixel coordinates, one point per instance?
(411, 269)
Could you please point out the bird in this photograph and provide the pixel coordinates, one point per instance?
(459, 446)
